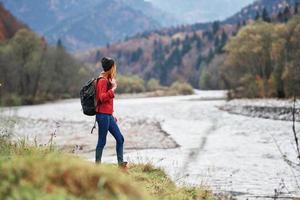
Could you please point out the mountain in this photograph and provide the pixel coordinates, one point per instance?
(9, 25)
(183, 52)
(41, 15)
(273, 7)
(85, 24)
(151, 11)
(97, 27)
(194, 11)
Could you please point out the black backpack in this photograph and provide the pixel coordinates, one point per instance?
(88, 97)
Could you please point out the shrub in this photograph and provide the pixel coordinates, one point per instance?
(153, 85)
(183, 88)
(134, 84)
(11, 100)
(130, 84)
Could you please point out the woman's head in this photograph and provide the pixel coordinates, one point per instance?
(109, 68)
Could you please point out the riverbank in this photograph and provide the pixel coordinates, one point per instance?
(33, 172)
(157, 93)
(263, 108)
(74, 136)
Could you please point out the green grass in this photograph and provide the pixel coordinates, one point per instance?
(159, 185)
(33, 172)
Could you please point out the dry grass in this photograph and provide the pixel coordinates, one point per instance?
(43, 173)
(31, 173)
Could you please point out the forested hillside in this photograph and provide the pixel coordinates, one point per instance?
(166, 56)
(31, 71)
(193, 52)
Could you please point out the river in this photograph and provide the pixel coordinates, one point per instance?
(188, 136)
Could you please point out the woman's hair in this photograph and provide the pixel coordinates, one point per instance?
(110, 74)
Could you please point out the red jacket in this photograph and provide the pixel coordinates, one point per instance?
(105, 97)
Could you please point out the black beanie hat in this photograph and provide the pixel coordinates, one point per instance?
(107, 63)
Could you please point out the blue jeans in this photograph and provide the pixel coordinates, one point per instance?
(107, 123)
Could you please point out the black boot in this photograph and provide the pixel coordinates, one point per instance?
(98, 156)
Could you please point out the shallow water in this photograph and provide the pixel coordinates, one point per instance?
(229, 153)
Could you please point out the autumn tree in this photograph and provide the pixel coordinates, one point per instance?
(279, 56)
(249, 59)
(31, 71)
(263, 60)
(291, 73)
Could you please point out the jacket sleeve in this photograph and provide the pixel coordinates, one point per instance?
(104, 94)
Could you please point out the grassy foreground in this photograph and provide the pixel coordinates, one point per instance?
(32, 172)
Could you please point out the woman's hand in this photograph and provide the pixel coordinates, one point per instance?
(114, 84)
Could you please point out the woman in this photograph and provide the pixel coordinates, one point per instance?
(105, 93)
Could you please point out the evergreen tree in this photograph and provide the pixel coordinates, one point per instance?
(158, 50)
(238, 26)
(224, 38)
(167, 49)
(210, 55)
(280, 17)
(186, 46)
(199, 62)
(199, 43)
(174, 59)
(136, 55)
(244, 23)
(286, 14)
(265, 16)
(173, 43)
(223, 41)
(59, 44)
(257, 16)
(177, 42)
(209, 35)
(98, 56)
(217, 42)
(194, 37)
(215, 27)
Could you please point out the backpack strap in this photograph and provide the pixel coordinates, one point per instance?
(96, 85)
(94, 125)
